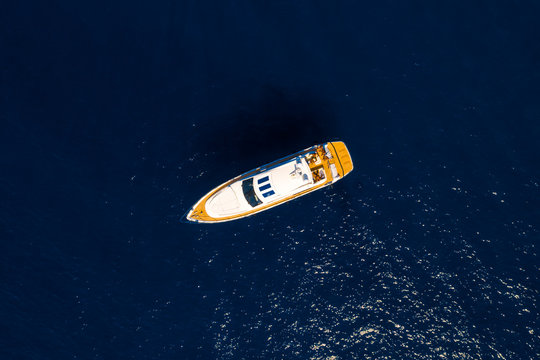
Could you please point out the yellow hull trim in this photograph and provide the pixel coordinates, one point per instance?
(339, 150)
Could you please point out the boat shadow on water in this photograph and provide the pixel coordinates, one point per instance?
(261, 131)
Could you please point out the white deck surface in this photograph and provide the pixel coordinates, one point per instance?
(228, 201)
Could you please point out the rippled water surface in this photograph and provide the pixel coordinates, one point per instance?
(117, 117)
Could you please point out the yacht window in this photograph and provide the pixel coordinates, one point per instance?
(261, 180)
(269, 193)
(249, 193)
(264, 187)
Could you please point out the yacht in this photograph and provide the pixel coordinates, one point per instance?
(274, 184)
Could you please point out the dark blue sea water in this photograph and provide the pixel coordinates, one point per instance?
(117, 116)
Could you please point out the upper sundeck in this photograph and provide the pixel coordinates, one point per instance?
(283, 180)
